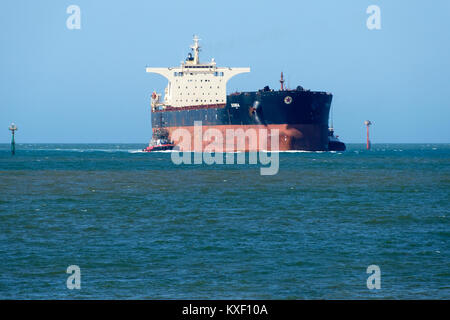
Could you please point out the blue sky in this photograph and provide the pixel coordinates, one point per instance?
(90, 85)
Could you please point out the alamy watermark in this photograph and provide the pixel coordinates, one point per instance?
(211, 147)
(74, 280)
(74, 20)
(374, 280)
(374, 20)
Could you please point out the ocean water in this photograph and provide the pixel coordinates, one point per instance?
(141, 227)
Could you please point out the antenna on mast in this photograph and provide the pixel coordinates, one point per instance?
(196, 48)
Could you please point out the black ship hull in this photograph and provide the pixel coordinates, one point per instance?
(300, 116)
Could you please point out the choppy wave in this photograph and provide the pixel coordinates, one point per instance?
(122, 216)
(82, 150)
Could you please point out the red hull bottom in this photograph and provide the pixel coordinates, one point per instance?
(162, 147)
(247, 138)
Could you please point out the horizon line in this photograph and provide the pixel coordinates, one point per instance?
(373, 143)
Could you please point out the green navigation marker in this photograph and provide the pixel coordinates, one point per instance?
(13, 128)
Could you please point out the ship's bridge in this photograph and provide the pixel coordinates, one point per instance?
(195, 83)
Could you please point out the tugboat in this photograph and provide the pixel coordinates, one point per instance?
(334, 144)
(160, 142)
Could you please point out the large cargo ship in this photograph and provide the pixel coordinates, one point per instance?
(197, 92)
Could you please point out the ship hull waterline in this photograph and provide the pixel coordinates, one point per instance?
(250, 138)
(298, 118)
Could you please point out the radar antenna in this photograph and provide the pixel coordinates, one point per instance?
(196, 48)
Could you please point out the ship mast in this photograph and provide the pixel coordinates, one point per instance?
(196, 48)
(282, 82)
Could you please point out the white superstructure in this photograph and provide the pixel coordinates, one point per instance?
(194, 83)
